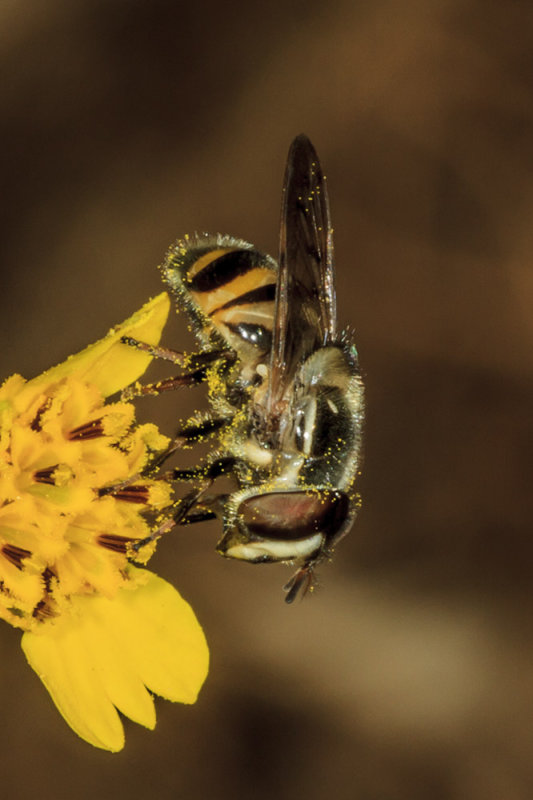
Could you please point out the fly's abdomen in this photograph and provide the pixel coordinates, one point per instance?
(229, 290)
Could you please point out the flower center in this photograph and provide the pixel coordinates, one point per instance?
(73, 502)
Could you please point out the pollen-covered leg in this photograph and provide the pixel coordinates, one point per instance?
(179, 517)
(132, 488)
(165, 385)
(198, 362)
(178, 357)
(163, 353)
(196, 431)
(197, 506)
(185, 512)
(206, 476)
(191, 433)
(221, 466)
(198, 515)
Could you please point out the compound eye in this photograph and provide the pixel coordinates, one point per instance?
(295, 515)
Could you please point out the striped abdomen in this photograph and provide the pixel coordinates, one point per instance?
(228, 288)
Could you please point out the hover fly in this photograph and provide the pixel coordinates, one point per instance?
(285, 389)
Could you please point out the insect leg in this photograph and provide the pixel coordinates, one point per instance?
(221, 466)
(182, 508)
(199, 515)
(196, 431)
(187, 503)
(193, 378)
(165, 385)
(176, 356)
(190, 433)
(163, 353)
(199, 362)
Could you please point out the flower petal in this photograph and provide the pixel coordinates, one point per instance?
(106, 652)
(59, 656)
(109, 364)
(163, 638)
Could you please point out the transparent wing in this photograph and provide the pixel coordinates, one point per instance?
(305, 313)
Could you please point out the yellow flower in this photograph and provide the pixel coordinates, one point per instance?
(101, 632)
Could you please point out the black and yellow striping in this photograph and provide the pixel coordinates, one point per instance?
(228, 286)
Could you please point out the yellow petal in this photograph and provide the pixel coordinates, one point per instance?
(164, 639)
(109, 364)
(123, 685)
(107, 651)
(60, 657)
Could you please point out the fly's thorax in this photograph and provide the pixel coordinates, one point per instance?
(274, 523)
(314, 441)
(325, 417)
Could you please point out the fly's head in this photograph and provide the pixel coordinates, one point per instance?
(298, 526)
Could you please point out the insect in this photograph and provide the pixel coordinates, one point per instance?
(285, 389)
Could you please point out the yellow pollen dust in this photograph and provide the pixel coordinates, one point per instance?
(63, 447)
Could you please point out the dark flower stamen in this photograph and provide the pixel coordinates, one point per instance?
(43, 610)
(48, 574)
(15, 554)
(45, 475)
(36, 422)
(131, 494)
(114, 542)
(89, 430)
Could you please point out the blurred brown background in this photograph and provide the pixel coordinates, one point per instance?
(127, 123)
